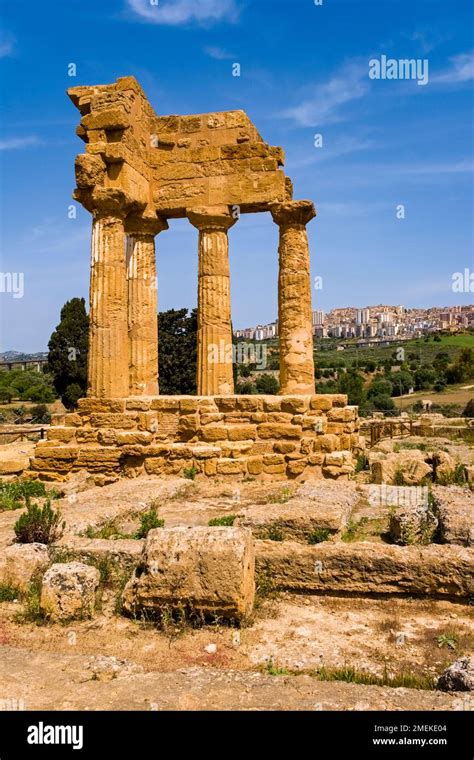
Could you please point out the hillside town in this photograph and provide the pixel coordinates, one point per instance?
(375, 322)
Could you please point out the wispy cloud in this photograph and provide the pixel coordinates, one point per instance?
(453, 167)
(330, 151)
(426, 40)
(324, 103)
(7, 45)
(461, 69)
(16, 143)
(175, 12)
(218, 53)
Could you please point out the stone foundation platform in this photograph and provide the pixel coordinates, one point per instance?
(297, 437)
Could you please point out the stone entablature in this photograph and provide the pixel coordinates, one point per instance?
(302, 437)
(140, 169)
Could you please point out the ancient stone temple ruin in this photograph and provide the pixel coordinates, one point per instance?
(139, 170)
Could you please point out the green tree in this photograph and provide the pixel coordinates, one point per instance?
(401, 381)
(68, 349)
(441, 361)
(6, 394)
(380, 386)
(352, 383)
(177, 335)
(424, 378)
(40, 394)
(267, 384)
(381, 403)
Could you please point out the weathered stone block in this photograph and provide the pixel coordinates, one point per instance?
(255, 465)
(205, 571)
(454, 508)
(214, 433)
(134, 437)
(69, 590)
(138, 405)
(125, 421)
(62, 434)
(188, 405)
(296, 467)
(270, 430)
(326, 442)
(155, 465)
(367, 567)
(242, 432)
(295, 404)
(105, 437)
(100, 405)
(20, 562)
(230, 466)
(207, 419)
(412, 525)
(322, 403)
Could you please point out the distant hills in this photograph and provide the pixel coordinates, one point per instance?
(19, 356)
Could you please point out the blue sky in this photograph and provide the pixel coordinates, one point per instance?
(304, 71)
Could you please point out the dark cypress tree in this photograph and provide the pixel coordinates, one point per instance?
(68, 349)
(177, 351)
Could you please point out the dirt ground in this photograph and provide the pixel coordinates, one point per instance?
(112, 662)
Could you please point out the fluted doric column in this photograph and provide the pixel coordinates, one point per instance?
(214, 341)
(294, 297)
(142, 305)
(108, 339)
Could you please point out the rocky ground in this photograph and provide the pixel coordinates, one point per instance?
(294, 638)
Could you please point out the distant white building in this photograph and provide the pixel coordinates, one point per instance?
(318, 318)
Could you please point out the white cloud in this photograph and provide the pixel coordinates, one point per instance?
(7, 44)
(460, 70)
(175, 12)
(324, 103)
(218, 53)
(16, 143)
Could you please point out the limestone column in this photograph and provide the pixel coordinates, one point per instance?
(214, 340)
(108, 339)
(142, 306)
(294, 297)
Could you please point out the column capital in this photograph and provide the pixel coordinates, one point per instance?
(211, 218)
(145, 226)
(292, 212)
(112, 201)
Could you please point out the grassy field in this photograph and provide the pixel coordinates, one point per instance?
(453, 394)
(423, 352)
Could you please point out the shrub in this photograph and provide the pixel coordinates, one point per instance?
(8, 593)
(40, 413)
(148, 521)
(190, 473)
(226, 520)
(14, 495)
(469, 409)
(39, 524)
(318, 536)
(246, 388)
(362, 463)
(267, 384)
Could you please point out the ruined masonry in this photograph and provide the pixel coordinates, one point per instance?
(138, 171)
